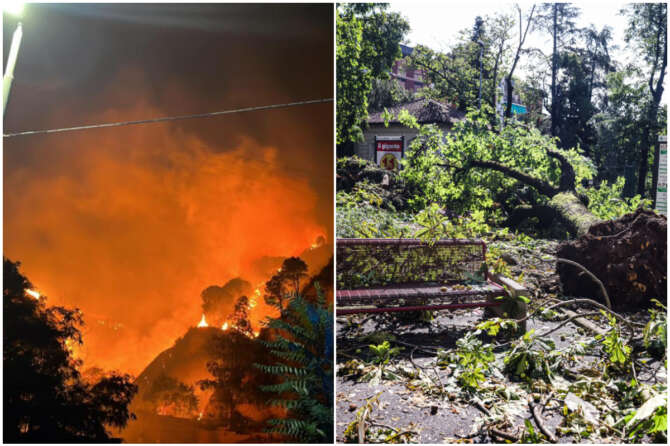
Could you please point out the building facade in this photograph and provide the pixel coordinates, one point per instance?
(381, 141)
(409, 78)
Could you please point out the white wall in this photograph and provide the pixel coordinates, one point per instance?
(366, 149)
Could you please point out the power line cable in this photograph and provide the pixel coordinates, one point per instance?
(167, 118)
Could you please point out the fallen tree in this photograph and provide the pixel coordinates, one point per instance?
(628, 254)
(511, 175)
(564, 203)
(517, 174)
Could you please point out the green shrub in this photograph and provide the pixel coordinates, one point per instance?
(607, 202)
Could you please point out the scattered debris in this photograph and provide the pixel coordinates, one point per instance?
(590, 384)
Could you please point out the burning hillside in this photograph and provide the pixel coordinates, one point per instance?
(180, 383)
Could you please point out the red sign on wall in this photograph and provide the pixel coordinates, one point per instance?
(389, 146)
(389, 151)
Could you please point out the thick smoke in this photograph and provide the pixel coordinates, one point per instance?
(131, 224)
(218, 302)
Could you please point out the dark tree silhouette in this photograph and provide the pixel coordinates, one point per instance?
(45, 398)
(274, 291)
(324, 280)
(170, 396)
(241, 316)
(294, 269)
(234, 379)
(286, 281)
(218, 301)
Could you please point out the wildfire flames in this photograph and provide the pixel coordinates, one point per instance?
(173, 184)
(33, 293)
(203, 322)
(224, 327)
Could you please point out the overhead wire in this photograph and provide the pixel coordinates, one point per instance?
(166, 118)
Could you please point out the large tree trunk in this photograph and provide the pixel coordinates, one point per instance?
(573, 213)
(660, 63)
(565, 208)
(564, 204)
(554, 69)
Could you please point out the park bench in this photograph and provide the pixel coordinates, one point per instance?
(391, 275)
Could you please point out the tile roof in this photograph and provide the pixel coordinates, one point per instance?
(426, 111)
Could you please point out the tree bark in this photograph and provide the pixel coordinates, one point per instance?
(656, 92)
(564, 203)
(654, 173)
(541, 186)
(554, 68)
(572, 213)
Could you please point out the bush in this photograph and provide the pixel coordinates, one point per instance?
(607, 201)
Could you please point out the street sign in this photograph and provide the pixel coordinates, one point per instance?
(389, 151)
(517, 109)
(662, 186)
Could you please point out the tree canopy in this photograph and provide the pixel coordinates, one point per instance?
(286, 283)
(302, 349)
(45, 397)
(577, 91)
(368, 38)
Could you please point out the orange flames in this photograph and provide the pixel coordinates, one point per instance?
(33, 293)
(203, 322)
(188, 195)
(224, 327)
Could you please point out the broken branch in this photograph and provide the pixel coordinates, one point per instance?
(535, 410)
(591, 275)
(503, 434)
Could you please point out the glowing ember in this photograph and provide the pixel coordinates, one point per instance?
(252, 302)
(203, 322)
(256, 333)
(33, 293)
(224, 327)
(200, 416)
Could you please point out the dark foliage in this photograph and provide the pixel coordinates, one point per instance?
(171, 397)
(286, 282)
(303, 345)
(218, 301)
(235, 380)
(45, 398)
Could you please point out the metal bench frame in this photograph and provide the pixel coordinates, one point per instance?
(380, 299)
